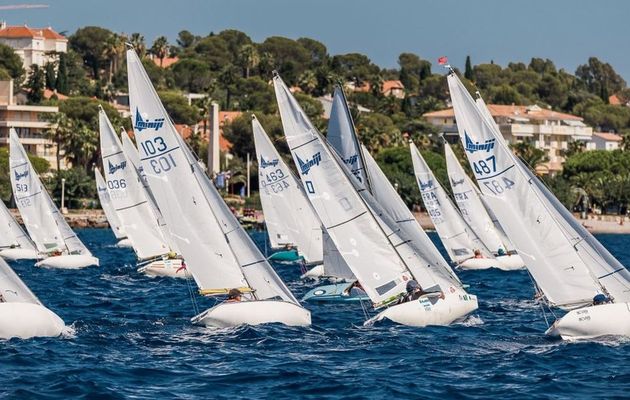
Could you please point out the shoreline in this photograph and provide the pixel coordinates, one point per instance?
(594, 223)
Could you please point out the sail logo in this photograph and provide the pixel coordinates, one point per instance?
(472, 147)
(306, 166)
(351, 160)
(101, 189)
(141, 124)
(456, 183)
(427, 185)
(265, 163)
(19, 176)
(115, 167)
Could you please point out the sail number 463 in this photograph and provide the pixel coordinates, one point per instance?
(159, 164)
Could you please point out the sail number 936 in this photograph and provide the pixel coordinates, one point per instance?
(161, 163)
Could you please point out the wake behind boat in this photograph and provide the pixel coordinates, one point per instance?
(220, 255)
(53, 237)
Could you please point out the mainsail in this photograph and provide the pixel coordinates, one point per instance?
(44, 223)
(108, 207)
(11, 233)
(471, 207)
(12, 288)
(346, 217)
(288, 214)
(458, 239)
(567, 263)
(218, 252)
(128, 197)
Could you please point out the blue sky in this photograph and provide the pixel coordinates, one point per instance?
(567, 32)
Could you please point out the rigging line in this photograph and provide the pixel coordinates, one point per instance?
(192, 294)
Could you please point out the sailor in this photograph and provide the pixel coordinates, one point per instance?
(600, 299)
(2, 300)
(354, 285)
(234, 295)
(414, 291)
(501, 252)
(478, 254)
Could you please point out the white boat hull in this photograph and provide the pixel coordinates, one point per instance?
(19, 254)
(28, 320)
(165, 268)
(505, 263)
(314, 273)
(424, 311)
(258, 312)
(593, 321)
(124, 243)
(72, 261)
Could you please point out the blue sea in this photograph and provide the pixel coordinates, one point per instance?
(132, 339)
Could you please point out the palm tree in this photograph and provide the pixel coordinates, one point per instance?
(160, 48)
(60, 130)
(137, 41)
(249, 58)
(307, 81)
(114, 48)
(529, 154)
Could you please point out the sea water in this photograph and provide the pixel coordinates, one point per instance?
(132, 338)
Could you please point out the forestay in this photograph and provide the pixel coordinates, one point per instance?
(288, 214)
(108, 207)
(11, 233)
(347, 219)
(550, 257)
(207, 233)
(12, 288)
(458, 239)
(44, 223)
(471, 207)
(128, 197)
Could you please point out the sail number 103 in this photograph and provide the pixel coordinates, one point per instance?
(161, 163)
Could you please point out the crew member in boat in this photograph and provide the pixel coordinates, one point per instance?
(478, 254)
(415, 291)
(600, 299)
(501, 252)
(54, 253)
(234, 296)
(354, 285)
(2, 300)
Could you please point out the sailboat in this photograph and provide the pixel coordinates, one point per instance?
(381, 260)
(289, 219)
(52, 235)
(14, 242)
(130, 200)
(474, 213)
(571, 269)
(22, 315)
(110, 213)
(219, 253)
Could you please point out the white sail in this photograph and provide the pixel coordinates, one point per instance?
(128, 197)
(458, 239)
(469, 204)
(43, 221)
(11, 233)
(12, 288)
(347, 219)
(288, 214)
(218, 252)
(549, 255)
(341, 136)
(437, 267)
(108, 207)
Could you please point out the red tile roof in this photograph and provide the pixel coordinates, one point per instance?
(500, 110)
(610, 137)
(49, 93)
(389, 85)
(166, 62)
(26, 32)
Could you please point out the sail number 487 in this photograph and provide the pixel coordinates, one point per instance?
(485, 167)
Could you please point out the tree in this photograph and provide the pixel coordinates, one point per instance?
(599, 78)
(35, 84)
(192, 75)
(138, 43)
(468, 71)
(12, 63)
(248, 58)
(51, 78)
(317, 50)
(160, 48)
(531, 155)
(377, 131)
(60, 130)
(185, 39)
(178, 108)
(113, 51)
(90, 43)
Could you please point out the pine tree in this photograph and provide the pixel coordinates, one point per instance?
(51, 79)
(468, 72)
(62, 75)
(35, 84)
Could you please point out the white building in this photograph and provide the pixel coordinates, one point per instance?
(34, 45)
(604, 141)
(548, 130)
(30, 123)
